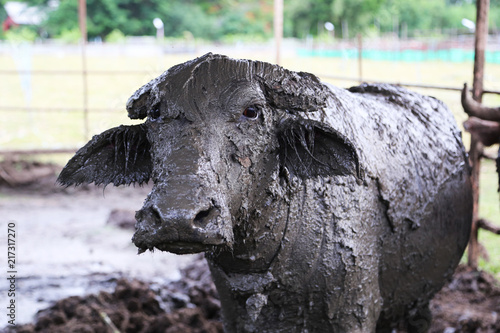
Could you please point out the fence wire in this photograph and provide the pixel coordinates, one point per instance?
(25, 72)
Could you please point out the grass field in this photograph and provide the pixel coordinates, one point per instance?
(28, 128)
(489, 208)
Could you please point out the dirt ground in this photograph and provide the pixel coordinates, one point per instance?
(79, 272)
(188, 305)
(64, 243)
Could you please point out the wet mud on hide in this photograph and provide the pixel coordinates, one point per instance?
(298, 191)
(126, 147)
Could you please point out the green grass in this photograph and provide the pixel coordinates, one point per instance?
(23, 129)
(489, 208)
(65, 128)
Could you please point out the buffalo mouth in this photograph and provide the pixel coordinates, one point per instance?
(185, 247)
(170, 239)
(146, 242)
(201, 232)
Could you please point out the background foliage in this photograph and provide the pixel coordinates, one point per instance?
(222, 19)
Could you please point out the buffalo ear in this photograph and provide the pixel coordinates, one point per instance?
(120, 155)
(309, 149)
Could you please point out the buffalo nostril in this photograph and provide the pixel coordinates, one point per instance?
(201, 219)
(156, 215)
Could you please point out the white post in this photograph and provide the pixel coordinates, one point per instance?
(160, 30)
(278, 28)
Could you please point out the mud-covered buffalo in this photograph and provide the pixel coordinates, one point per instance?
(319, 209)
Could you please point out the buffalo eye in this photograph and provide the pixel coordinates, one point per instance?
(154, 113)
(251, 112)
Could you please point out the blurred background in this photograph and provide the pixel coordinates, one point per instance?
(59, 87)
(68, 67)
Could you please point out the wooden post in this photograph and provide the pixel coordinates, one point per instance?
(480, 47)
(82, 19)
(476, 148)
(278, 28)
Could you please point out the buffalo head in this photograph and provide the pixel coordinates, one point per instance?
(222, 141)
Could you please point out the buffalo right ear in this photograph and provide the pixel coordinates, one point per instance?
(309, 149)
(120, 156)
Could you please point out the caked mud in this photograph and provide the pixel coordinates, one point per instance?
(319, 208)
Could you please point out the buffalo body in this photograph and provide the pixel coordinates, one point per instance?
(320, 209)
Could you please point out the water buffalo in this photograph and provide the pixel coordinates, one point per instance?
(319, 209)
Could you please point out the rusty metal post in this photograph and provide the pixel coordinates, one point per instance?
(476, 148)
(278, 28)
(82, 19)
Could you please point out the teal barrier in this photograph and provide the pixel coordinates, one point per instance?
(449, 55)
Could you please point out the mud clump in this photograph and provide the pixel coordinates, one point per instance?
(190, 305)
(470, 302)
(16, 173)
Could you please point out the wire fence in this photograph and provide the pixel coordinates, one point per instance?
(86, 81)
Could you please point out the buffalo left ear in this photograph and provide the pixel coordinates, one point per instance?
(120, 156)
(309, 149)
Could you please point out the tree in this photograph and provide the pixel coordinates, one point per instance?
(215, 19)
(359, 14)
(103, 16)
(204, 19)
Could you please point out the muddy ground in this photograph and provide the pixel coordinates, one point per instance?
(64, 243)
(79, 272)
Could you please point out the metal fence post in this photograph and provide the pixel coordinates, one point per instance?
(476, 148)
(82, 19)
